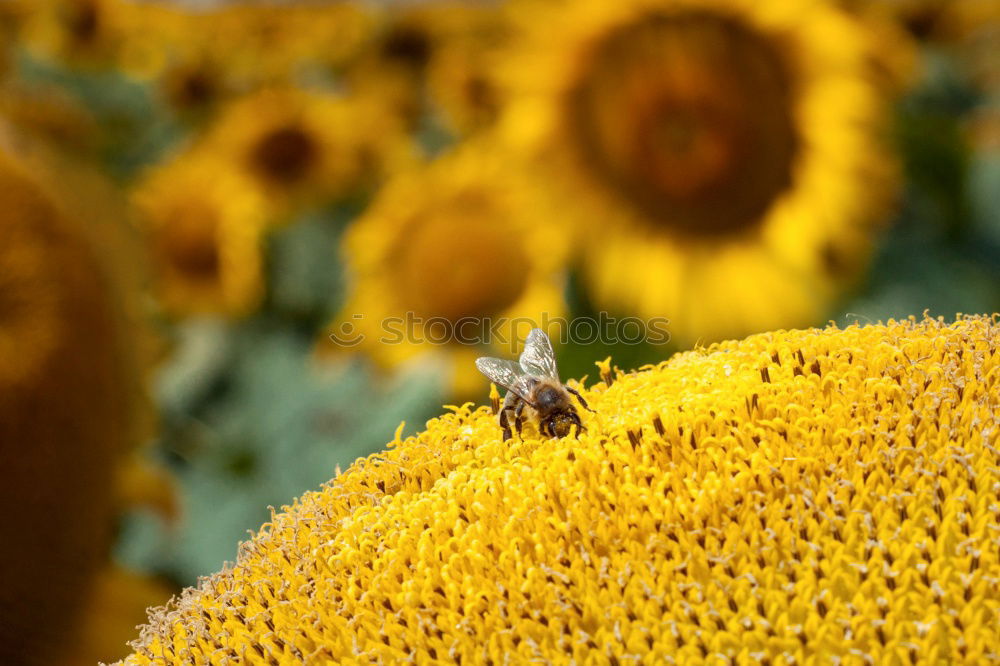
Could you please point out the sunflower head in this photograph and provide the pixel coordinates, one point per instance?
(304, 147)
(194, 85)
(49, 114)
(389, 67)
(204, 224)
(693, 141)
(708, 141)
(284, 153)
(487, 272)
(98, 32)
(415, 46)
(84, 22)
(269, 43)
(815, 496)
(461, 75)
(74, 28)
(68, 410)
(454, 242)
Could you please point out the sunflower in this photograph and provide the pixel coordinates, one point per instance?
(972, 29)
(194, 84)
(116, 604)
(797, 497)
(722, 159)
(461, 76)
(272, 43)
(932, 20)
(214, 54)
(303, 147)
(894, 57)
(50, 114)
(394, 63)
(205, 225)
(70, 411)
(450, 249)
(11, 17)
(97, 33)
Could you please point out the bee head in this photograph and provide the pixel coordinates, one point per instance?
(547, 397)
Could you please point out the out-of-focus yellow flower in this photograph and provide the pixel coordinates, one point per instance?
(68, 381)
(75, 29)
(80, 261)
(301, 147)
(10, 20)
(932, 20)
(461, 76)
(457, 241)
(893, 51)
(723, 160)
(392, 66)
(116, 605)
(100, 215)
(120, 33)
(273, 43)
(50, 115)
(810, 496)
(973, 28)
(234, 49)
(193, 86)
(205, 225)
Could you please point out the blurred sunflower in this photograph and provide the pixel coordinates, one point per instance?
(205, 225)
(930, 20)
(722, 159)
(394, 63)
(973, 27)
(269, 43)
(460, 76)
(194, 84)
(73, 407)
(50, 114)
(116, 605)
(443, 250)
(230, 49)
(10, 20)
(97, 32)
(892, 48)
(304, 147)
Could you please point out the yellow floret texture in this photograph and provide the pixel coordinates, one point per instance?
(807, 497)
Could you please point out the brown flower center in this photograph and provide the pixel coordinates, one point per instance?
(189, 245)
(83, 22)
(457, 264)
(482, 98)
(408, 46)
(285, 154)
(688, 117)
(194, 87)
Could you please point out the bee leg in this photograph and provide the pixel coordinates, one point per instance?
(505, 424)
(510, 402)
(579, 397)
(545, 427)
(518, 417)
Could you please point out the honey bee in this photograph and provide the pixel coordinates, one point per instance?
(533, 383)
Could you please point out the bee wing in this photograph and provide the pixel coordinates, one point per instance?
(538, 358)
(507, 374)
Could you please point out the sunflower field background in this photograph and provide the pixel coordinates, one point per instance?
(210, 210)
